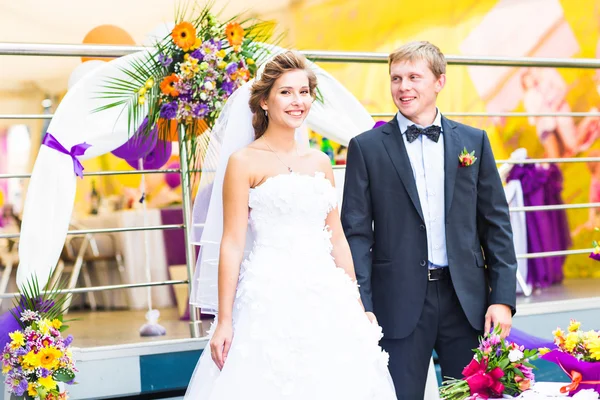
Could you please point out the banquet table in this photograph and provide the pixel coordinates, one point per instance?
(131, 246)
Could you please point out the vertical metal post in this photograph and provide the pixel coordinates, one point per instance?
(190, 254)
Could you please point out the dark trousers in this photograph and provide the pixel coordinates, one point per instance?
(444, 327)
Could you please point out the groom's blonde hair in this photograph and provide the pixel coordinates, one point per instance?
(414, 51)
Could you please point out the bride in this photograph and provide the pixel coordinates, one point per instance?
(290, 323)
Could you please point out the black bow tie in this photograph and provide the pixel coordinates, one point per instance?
(432, 132)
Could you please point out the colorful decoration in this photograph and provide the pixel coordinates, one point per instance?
(578, 355)
(498, 368)
(36, 358)
(190, 76)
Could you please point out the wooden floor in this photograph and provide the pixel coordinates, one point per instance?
(570, 289)
(105, 328)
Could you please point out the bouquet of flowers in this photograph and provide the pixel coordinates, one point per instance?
(578, 354)
(498, 368)
(184, 83)
(37, 359)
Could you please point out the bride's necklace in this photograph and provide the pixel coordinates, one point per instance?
(277, 155)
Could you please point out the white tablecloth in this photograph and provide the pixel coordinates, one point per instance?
(551, 390)
(131, 246)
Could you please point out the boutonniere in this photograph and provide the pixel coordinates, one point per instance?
(467, 159)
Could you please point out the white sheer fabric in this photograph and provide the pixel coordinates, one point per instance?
(51, 190)
(232, 132)
(340, 117)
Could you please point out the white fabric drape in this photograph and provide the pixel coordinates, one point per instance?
(51, 191)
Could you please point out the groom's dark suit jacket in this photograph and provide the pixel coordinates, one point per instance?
(384, 225)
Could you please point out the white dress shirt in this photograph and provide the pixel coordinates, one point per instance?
(427, 162)
(514, 197)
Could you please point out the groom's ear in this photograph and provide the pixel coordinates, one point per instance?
(440, 82)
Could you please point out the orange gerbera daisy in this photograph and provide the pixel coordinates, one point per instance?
(167, 86)
(184, 35)
(235, 33)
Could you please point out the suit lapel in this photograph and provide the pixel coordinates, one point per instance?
(396, 149)
(452, 149)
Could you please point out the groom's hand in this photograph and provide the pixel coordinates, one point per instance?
(498, 315)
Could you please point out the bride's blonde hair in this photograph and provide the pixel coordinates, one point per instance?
(274, 69)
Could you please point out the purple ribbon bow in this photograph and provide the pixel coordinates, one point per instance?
(76, 151)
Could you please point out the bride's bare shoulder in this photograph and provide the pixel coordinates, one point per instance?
(319, 160)
(246, 157)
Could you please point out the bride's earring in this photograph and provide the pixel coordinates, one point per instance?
(266, 113)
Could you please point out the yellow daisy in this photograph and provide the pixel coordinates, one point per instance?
(18, 339)
(574, 326)
(571, 341)
(32, 390)
(48, 383)
(49, 357)
(31, 359)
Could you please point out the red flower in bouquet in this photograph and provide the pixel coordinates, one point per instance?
(481, 381)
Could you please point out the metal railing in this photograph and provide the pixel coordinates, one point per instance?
(77, 50)
(390, 115)
(94, 50)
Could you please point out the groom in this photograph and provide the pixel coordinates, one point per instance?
(428, 227)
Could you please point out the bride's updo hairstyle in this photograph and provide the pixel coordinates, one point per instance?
(273, 70)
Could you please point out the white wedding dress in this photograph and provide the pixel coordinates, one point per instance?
(299, 331)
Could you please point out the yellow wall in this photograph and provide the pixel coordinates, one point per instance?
(381, 26)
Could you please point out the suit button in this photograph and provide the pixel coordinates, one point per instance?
(423, 263)
(422, 227)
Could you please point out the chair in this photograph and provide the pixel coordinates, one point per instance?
(79, 254)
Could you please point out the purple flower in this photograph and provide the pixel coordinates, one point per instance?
(228, 87)
(216, 43)
(18, 384)
(169, 110)
(186, 97)
(21, 388)
(68, 340)
(183, 87)
(208, 49)
(197, 54)
(595, 256)
(44, 372)
(164, 60)
(231, 68)
(20, 352)
(200, 110)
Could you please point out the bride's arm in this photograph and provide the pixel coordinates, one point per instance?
(235, 224)
(341, 249)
